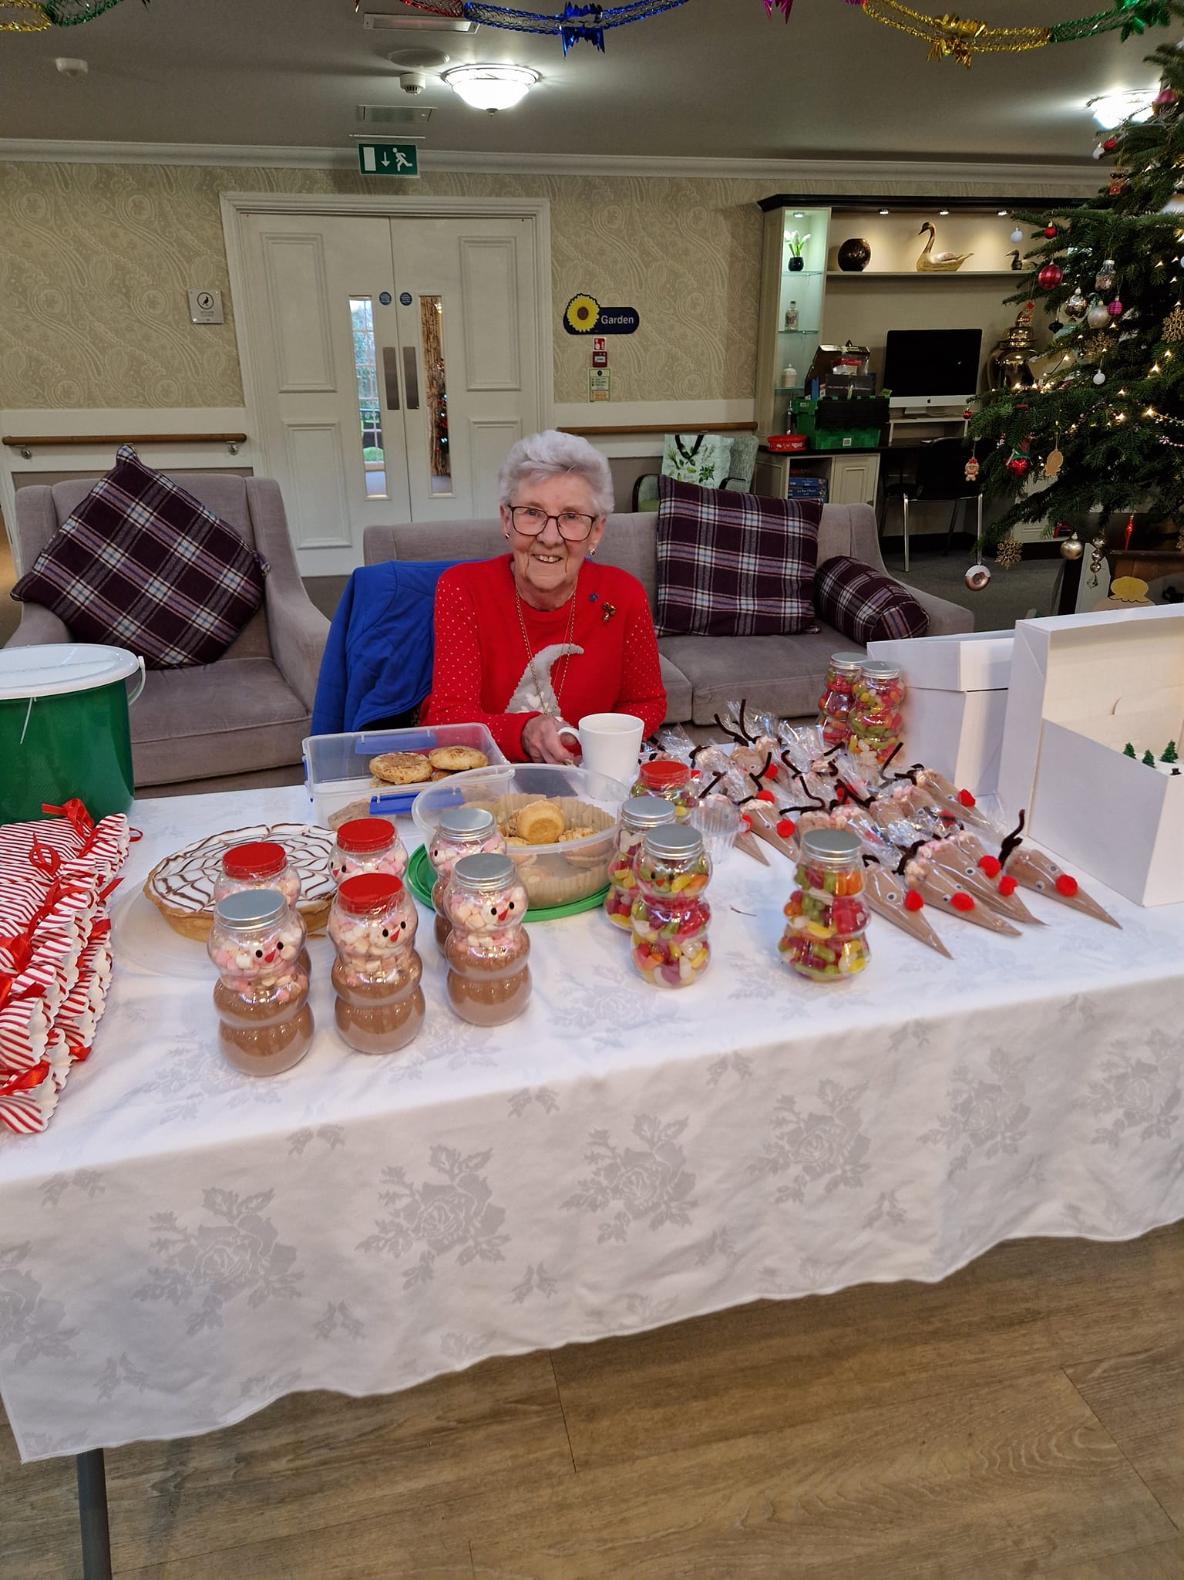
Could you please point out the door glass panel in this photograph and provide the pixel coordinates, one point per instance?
(361, 313)
(431, 323)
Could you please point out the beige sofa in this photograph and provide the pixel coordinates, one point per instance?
(781, 673)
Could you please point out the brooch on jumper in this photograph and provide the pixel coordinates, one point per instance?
(607, 611)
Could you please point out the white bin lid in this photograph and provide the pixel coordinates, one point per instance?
(55, 668)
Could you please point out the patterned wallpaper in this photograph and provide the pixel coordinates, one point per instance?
(95, 260)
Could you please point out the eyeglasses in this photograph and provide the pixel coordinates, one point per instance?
(573, 525)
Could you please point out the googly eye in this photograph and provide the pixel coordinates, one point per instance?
(280, 944)
(258, 954)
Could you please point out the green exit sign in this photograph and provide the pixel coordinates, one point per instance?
(388, 159)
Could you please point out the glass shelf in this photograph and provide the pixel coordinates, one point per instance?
(798, 331)
(802, 274)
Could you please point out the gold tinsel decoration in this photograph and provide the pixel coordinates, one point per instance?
(1094, 347)
(1173, 324)
(1008, 552)
(30, 17)
(955, 37)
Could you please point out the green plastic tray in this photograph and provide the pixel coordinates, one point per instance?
(421, 876)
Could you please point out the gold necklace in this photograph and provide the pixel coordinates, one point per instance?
(571, 627)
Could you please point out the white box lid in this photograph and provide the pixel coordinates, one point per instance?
(970, 661)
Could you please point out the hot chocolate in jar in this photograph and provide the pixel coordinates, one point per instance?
(639, 814)
(367, 844)
(670, 915)
(461, 831)
(377, 972)
(487, 949)
(257, 944)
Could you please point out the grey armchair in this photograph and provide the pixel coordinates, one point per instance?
(250, 709)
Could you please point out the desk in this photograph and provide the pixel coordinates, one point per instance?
(852, 476)
(185, 1245)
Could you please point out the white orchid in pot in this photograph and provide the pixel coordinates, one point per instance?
(796, 241)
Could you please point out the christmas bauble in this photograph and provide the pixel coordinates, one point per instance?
(1055, 326)
(1017, 236)
(1099, 377)
(1114, 308)
(977, 577)
(1109, 144)
(1104, 279)
(1050, 230)
(1076, 307)
(1072, 548)
(1164, 100)
(1018, 465)
(1050, 276)
(1098, 315)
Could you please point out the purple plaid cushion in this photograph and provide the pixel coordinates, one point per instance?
(142, 564)
(864, 605)
(734, 564)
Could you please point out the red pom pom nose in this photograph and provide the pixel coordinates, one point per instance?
(965, 797)
(786, 827)
(764, 795)
(1006, 886)
(991, 865)
(912, 900)
(1066, 885)
(961, 901)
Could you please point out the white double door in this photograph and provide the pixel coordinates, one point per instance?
(395, 361)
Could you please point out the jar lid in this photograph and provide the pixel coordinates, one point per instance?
(830, 847)
(369, 891)
(259, 858)
(646, 811)
(250, 910)
(848, 663)
(664, 773)
(486, 870)
(880, 669)
(362, 834)
(466, 822)
(674, 841)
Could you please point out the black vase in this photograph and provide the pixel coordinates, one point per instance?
(796, 265)
(854, 255)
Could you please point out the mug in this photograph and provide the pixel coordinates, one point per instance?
(610, 743)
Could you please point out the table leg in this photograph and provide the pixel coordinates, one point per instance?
(92, 1515)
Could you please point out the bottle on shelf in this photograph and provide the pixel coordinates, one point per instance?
(791, 315)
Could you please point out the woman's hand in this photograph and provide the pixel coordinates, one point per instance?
(543, 743)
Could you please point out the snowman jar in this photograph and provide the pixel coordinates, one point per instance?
(377, 972)
(367, 844)
(487, 949)
(461, 831)
(257, 944)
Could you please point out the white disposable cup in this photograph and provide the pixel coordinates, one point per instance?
(610, 743)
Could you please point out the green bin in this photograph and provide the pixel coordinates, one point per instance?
(64, 728)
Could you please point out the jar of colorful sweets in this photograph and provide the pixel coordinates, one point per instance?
(877, 709)
(670, 915)
(377, 972)
(670, 779)
(257, 944)
(638, 815)
(487, 949)
(461, 831)
(257, 864)
(838, 690)
(827, 915)
(367, 844)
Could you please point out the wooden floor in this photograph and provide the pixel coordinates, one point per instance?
(1023, 1418)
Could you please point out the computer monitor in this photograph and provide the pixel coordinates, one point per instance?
(931, 367)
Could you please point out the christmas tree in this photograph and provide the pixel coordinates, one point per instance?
(1101, 428)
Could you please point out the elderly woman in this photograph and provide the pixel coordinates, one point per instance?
(541, 636)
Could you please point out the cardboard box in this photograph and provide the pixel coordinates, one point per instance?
(956, 702)
(1081, 687)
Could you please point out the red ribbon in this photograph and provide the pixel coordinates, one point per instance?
(75, 814)
(43, 858)
(26, 1080)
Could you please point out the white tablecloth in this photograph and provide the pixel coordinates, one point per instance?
(186, 1244)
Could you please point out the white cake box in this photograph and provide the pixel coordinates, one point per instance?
(1081, 687)
(955, 703)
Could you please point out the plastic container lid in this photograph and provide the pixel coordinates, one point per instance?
(664, 774)
(880, 669)
(487, 870)
(848, 662)
(250, 910)
(53, 669)
(369, 891)
(259, 858)
(674, 841)
(366, 834)
(646, 811)
(830, 847)
(466, 822)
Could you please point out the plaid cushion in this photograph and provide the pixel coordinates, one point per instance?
(864, 605)
(142, 564)
(734, 564)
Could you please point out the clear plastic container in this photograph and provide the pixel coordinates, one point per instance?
(827, 914)
(257, 943)
(377, 972)
(258, 864)
(337, 767)
(877, 710)
(838, 692)
(461, 831)
(667, 777)
(670, 915)
(367, 844)
(638, 815)
(487, 949)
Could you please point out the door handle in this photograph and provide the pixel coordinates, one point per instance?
(390, 373)
(411, 378)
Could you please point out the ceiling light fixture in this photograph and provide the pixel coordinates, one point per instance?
(883, 211)
(491, 87)
(1120, 104)
(942, 213)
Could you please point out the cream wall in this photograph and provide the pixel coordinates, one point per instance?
(95, 260)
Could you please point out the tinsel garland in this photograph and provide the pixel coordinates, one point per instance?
(575, 23)
(30, 17)
(69, 13)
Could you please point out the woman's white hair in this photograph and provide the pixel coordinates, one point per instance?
(555, 454)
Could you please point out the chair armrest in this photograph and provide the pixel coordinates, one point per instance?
(298, 632)
(945, 618)
(38, 624)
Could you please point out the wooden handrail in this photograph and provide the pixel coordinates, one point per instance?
(36, 441)
(662, 427)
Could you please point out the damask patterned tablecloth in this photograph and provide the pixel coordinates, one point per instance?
(185, 1244)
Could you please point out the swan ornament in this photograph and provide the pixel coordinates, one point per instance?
(931, 262)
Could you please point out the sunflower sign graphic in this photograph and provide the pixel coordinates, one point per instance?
(584, 315)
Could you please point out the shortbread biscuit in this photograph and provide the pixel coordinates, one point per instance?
(457, 759)
(401, 768)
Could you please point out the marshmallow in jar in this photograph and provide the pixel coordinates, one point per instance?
(638, 815)
(461, 831)
(487, 949)
(257, 945)
(367, 844)
(376, 975)
(258, 864)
